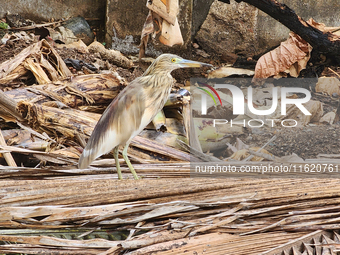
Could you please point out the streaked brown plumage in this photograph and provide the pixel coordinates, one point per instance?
(133, 109)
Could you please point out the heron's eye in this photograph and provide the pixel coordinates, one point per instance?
(173, 60)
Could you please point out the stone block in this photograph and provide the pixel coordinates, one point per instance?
(229, 28)
(199, 14)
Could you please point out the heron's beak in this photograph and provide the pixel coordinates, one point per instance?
(190, 63)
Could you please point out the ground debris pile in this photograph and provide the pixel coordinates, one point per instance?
(52, 96)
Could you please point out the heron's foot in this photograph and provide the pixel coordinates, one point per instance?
(135, 176)
(115, 154)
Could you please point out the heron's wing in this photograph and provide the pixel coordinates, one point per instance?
(118, 124)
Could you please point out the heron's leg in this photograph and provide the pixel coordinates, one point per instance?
(128, 161)
(115, 154)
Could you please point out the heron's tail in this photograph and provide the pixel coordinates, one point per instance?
(102, 141)
(86, 158)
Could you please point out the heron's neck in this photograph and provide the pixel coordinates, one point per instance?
(156, 69)
(157, 80)
(157, 88)
(151, 70)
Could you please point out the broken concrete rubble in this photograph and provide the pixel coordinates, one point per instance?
(80, 29)
(226, 26)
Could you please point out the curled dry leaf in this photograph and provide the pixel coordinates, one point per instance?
(333, 32)
(321, 26)
(290, 57)
(328, 118)
(244, 153)
(226, 71)
(328, 85)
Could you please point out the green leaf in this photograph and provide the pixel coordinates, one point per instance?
(3, 25)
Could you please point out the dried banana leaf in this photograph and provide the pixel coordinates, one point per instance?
(41, 59)
(94, 90)
(67, 122)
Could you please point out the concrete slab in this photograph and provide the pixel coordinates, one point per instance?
(200, 12)
(45, 10)
(229, 28)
